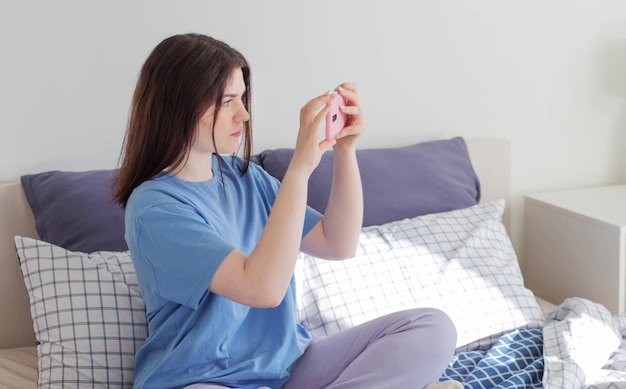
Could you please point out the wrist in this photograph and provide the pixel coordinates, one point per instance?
(344, 153)
(296, 173)
(344, 147)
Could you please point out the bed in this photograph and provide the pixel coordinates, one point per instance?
(434, 234)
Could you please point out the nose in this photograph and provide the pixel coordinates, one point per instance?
(242, 115)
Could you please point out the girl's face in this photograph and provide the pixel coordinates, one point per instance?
(230, 119)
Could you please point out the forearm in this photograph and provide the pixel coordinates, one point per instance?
(273, 258)
(344, 214)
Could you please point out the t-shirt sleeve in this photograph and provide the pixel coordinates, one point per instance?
(311, 218)
(272, 185)
(180, 250)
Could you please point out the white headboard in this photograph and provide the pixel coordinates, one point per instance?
(491, 159)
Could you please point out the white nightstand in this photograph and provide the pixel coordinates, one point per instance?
(575, 245)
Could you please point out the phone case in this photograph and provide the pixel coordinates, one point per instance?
(335, 119)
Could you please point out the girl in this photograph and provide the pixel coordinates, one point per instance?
(214, 239)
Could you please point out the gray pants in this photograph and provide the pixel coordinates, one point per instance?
(406, 349)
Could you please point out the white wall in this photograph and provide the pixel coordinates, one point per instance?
(548, 75)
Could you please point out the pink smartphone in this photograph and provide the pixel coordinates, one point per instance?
(335, 119)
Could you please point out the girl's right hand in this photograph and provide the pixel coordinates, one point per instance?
(309, 149)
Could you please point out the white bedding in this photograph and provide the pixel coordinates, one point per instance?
(584, 347)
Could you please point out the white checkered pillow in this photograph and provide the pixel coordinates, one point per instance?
(461, 262)
(87, 312)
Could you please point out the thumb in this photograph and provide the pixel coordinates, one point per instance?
(327, 144)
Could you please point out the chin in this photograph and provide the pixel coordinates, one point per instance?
(229, 149)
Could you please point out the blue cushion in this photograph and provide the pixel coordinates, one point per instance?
(75, 210)
(399, 182)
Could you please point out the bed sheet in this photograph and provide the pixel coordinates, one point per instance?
(18, 368)
(584, 346)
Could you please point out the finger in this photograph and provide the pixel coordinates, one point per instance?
(354, 113)
(321, 115)
(353, 110)
(309, 111)
(356, 126)
(349, 131)
(350, 96)
(315, 103)
(348, 85)
(327, 144)
(310, 125)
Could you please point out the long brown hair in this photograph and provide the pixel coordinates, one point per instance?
(182, 77)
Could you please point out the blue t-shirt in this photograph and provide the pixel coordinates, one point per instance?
(178, 233)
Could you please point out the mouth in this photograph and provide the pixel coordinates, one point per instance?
(236, 134)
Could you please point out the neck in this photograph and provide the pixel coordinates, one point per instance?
(197, 168)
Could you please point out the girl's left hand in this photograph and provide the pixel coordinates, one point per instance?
(355, 124)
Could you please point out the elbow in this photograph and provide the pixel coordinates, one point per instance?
(348, 253)
(349, 250)
(347, 247)
(345, 252)
(267, 298)
(271, 303)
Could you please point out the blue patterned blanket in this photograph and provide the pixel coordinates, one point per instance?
(582, 345)
(514, 361)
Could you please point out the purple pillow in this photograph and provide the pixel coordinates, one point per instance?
(398, 183)
(75, 210)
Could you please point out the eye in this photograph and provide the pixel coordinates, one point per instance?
(226, 103)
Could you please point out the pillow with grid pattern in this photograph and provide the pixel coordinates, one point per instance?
(460, 261)
(88, 315)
